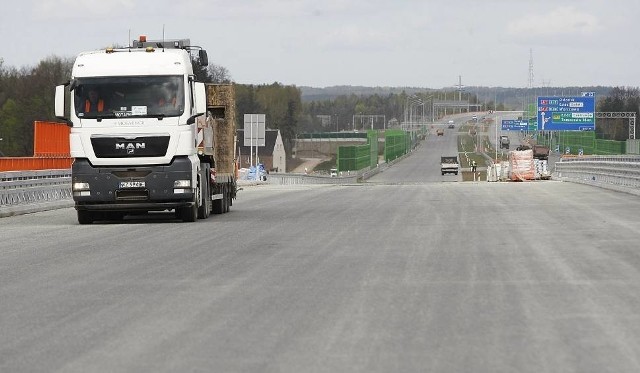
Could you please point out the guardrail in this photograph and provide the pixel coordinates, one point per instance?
(354, 177)
(613, 172)
(296, 179)
(27, 191)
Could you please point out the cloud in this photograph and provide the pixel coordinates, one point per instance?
(560, 22)
(74, 9)
(246, 10)
(354, 37)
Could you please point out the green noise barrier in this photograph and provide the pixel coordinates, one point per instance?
(574, 142)
(396, 144)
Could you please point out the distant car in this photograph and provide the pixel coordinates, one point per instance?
(475, 117)
(451, 126)
(334, 172)
(440, 132)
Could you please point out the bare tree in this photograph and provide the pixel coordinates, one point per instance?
(218, 74)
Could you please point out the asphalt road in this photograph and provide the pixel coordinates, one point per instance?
(402, 274)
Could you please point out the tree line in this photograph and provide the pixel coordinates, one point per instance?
(27, 94)
(620, 99)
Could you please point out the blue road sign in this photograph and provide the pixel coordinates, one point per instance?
(567, 113)
(514, 125)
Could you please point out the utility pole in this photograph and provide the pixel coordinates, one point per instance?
(530, 81)
(459, 93)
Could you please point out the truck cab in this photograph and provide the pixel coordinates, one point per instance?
(134, 135)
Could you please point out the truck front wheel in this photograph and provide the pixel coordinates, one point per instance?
(205, 208)
(189, 214)
(85, 217)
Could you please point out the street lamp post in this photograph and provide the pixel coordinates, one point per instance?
(415, 101)
(498, 121)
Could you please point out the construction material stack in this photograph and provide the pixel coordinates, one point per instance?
(221, 117)
(521, 165)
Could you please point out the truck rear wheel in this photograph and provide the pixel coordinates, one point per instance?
(229, 199)
(225, 199)
(218, 204)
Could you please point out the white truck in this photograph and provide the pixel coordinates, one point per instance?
(449, 164)
(143, 139)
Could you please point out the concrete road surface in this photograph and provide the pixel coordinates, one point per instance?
(389, 276)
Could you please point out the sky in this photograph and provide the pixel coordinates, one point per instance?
(321, 43)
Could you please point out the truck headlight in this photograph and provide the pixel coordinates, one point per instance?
(80, 189)
(77, 187)
(182, 186)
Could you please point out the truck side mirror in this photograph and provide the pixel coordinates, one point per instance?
(202, 57)
(200, 97)
(60, 103)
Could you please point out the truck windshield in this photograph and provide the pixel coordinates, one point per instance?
(129, 96)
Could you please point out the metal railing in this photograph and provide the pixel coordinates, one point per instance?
(614, 172)
(353, 177)
(31, 188)
(19, 187)
(28, 191)
(298, 179)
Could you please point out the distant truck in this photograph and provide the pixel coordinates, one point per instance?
(154, 139)
(449, 165)
(540, 152)
(504, 142)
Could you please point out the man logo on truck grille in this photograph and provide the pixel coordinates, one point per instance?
(130, 147)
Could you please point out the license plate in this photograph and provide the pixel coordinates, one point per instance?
(132, 184)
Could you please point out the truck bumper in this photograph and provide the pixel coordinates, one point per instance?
(449, 171)
(132, 188)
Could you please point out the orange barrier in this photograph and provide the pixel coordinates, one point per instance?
(34, 163)
(50, 149)
(50, 139)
